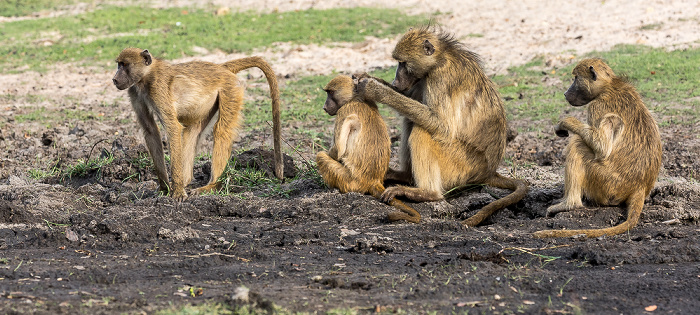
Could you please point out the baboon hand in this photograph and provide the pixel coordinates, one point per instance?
(560, 130)
(356, 77)
(361, 87)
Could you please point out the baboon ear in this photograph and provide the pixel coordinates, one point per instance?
(429, 48)
(594, 75)
(147, 59)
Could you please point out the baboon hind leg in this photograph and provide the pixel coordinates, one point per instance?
(192, 136)
(224, 132)
(574, 176)
(335, 174)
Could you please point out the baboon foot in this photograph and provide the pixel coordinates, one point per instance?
(390, 193)
(207, 189)
(179, 195)
(562, 207)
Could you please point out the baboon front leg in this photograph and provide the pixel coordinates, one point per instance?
(175, 133)
(153, 143)
(575, 174)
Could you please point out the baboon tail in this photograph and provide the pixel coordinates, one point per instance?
(405, 212)
(519, 187)
(238, 65)
(635, 204)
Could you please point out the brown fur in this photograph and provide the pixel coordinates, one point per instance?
(186, 98)
(454, 123)
(359, 157)
(616, 157)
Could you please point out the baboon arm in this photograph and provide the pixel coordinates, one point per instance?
(599, 140)
(347, 136)
(415, 111)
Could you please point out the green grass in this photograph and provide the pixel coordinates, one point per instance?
(98, 36)
(83, 168)
(42, 115)
(26, 7)
(666, 80)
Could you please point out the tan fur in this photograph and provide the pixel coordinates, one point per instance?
(359, 157)
(454, 122)
(186, 98)
(616, 157)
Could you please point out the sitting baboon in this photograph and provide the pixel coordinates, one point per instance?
(454, 130)
(359, 157)
(613, 159)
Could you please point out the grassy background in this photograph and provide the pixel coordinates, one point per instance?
(97, 37)
(26, 7)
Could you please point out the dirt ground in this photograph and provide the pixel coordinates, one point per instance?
(107, 243)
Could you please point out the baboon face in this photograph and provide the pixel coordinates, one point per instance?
(416, 55)
(331, 106)
(590, 77)
(131, 66)
(339, 92)
(403, 80)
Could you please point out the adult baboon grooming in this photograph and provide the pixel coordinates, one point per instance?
(186, 97)
(617, 157)
(359, 157)
(454, 124)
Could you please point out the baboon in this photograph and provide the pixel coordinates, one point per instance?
(359, 157)
(187, 97)
(615, 158)
(454, 130)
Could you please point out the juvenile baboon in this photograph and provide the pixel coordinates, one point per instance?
(616, 157)
(454, 130)
(187, 97)
(359, 157)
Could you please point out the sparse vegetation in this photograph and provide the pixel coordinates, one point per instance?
(26, 7)
(96, 37)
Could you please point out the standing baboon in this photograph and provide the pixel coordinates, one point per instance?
(359, 157)
(454, 124)
(186, 97)
(616, 157)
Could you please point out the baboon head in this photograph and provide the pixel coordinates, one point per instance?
(591, 77)
(132, 65)
(340, 91)
(417, 52)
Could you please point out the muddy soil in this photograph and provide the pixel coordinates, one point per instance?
(106, 242)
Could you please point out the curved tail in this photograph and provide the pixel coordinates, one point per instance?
(405, 212)
(519, 187)
(635, 204)
(238, 65)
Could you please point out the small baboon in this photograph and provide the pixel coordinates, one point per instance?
(359, 157)
(613, 159)
(187, 97)
(454, 129)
